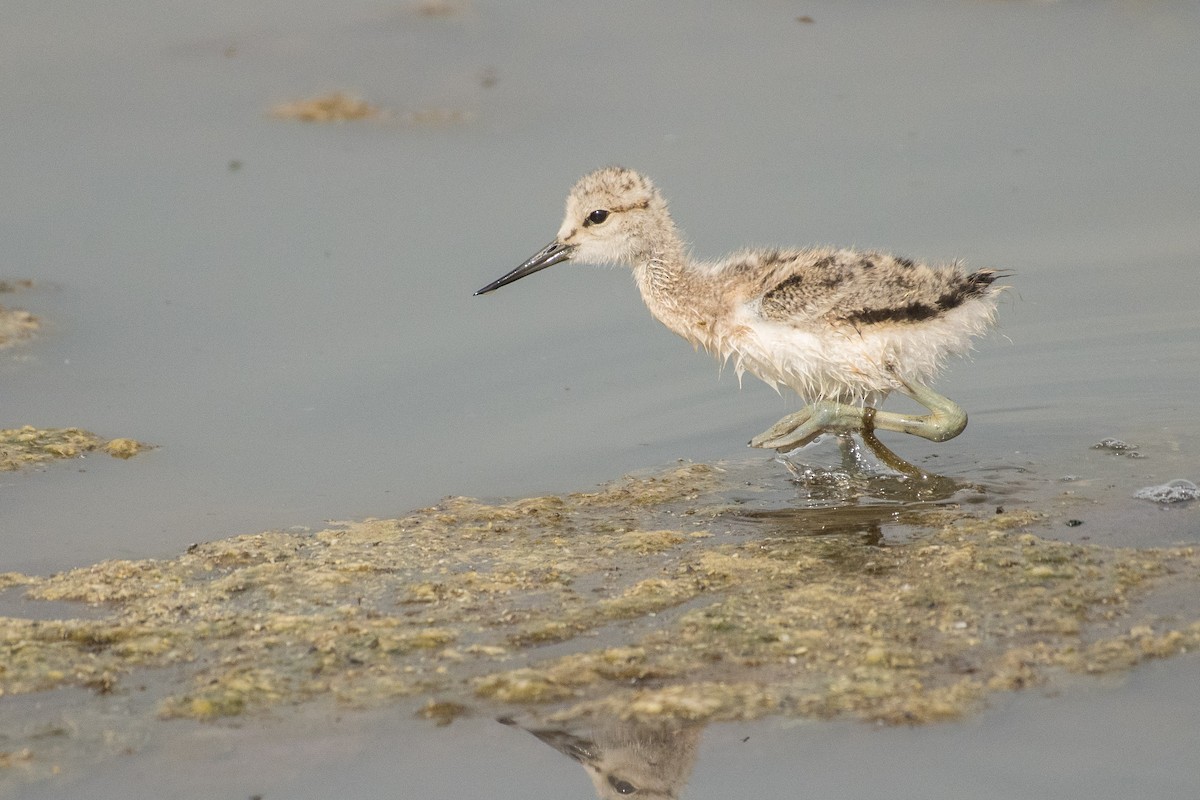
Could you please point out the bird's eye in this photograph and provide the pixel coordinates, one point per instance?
(621, 787)
(597, 216)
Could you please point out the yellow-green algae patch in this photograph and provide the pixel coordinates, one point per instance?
(343, 107)
(28, 446)
(333, 107)
(651, 598)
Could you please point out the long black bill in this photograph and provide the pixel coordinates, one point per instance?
(548, 256)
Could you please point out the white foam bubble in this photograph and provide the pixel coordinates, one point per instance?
(1175, 491)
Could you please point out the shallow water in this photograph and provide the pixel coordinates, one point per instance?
(285, 308)
(1034, 744)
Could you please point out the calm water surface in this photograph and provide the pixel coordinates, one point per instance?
(286, 309)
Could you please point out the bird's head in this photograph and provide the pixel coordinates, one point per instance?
(612, 216)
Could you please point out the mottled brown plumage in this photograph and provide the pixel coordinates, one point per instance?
(849, 287)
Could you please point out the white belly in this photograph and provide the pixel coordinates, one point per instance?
(848, 363)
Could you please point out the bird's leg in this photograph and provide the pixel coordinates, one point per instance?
(782, 428)
(808, 423)
(890, 459)
(945, 420)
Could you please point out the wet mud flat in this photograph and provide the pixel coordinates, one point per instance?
(656, 604)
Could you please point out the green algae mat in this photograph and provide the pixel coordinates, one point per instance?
(656, 597)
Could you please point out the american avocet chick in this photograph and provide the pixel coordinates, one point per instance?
(843, 328)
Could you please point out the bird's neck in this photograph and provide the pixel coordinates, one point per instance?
(673, 290)
(660, 266)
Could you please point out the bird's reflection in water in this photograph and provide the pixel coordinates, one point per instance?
(626, 758)
(868, 473)
(860, 490)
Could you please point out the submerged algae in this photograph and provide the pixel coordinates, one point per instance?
(654, 597)
(16, 325)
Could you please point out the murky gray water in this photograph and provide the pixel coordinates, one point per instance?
(296, 331)
(1090, 741)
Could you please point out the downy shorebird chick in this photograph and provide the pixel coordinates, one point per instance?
(843, 328)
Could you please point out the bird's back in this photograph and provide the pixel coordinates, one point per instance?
(841, 323)
(828, 287)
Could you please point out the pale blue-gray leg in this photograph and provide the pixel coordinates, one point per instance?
(945, 420)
